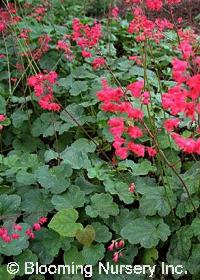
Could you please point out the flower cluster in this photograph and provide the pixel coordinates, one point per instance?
(124, 129)
(43, 89)
(43, 42)
(98, 62)
(145, 28)
(155, 5)
(116, 245)
(35, 227)
(8, 16)
(39, 12)
(17, 228)
(66, 47)
(85, 36)
(182, 100)
(115, 13)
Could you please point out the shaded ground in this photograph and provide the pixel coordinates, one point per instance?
(188, 10)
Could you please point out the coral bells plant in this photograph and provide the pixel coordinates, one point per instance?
(118, 245)
(99, 132)
(43, 89)
(17, 228)
(86, 37)
(182, 100)
(125, 130)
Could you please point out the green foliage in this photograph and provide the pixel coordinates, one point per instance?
(62, 165)
(146, 231)
(97, 201)
(64, 222)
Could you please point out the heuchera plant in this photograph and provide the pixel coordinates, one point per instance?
(99, 136)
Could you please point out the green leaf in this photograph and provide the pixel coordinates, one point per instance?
(19, 116)
(180, 246)
(77, 159)
(49, 155)
(9, 204)
(73, 198)
(88, 187)
(25, 178)
(93, 254)
(83, 72)
(97, 201)
(138, 169)
(157, 201)
(66, 83)
(46, 245)
(49, 60)
(146, 231)
(150, 256)
(195, 226)
(36, 201)
(72, 115)
(54, 179)
(76, 155)
(73, 256)
(64, 222)
(185, 206)
(46, 125)
(86, 235)
(121, 189)
(25, 256)
(2, 105)
(165, 141)
(193, 264)
(102, 233)
(78, 87)
(4, 273)
(119, 222)
(89, 146)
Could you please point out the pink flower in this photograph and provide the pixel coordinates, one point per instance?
(42, 220)
(2, 26)
(111, 246)
(3, 231)
(154, 5)
(17, 227)
(6, 238)
(137, 149)
(121, 152)
(135, 132)
(136, 88)
(171, 124)
(30, 233)
(116, 126)
(145, 98)
(2, 118)
(15, 236)
(36, 226)
(121, 243)
(86, 54)
(186, 49)
(151, 151)
(118, 142)
(98, 62)
(116, 257)
(132, 188)
(115, 12)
